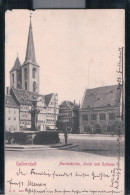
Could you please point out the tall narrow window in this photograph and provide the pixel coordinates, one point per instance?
(93, 117)
(13, 77)
(25, 73)
(34, 86)
(34, 73)
(26, 85)
(102, 116)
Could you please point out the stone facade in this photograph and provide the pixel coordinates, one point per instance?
(100, 110)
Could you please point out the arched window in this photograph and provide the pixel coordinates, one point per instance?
(25, 73)
(34, 72)
(13, 77)
(26, 85)
(34, 86)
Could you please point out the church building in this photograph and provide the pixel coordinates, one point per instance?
(27, 75)
(24, 89)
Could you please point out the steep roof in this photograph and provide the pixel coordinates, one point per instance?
(22, 96)
(25, 97)
(107, 96)
(17, 65)
(48, 98)
(69, 104)
(30, 51)
(10, 102)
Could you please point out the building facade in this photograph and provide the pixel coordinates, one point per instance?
(100, 110)
(68, 117)
(11, 114)
(24, 89)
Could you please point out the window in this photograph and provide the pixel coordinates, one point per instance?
(102, 116)
(111, 116)
(15, 118)
(9, 118)
(93, 117)
(85, 117)
(34, 86)
(25, 85)
(25, 73)
(13, 77)
(34, 73)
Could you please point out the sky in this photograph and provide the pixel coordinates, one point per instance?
(75, 49)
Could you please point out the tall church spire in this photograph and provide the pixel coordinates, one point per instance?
(30, 51)
(30, 68)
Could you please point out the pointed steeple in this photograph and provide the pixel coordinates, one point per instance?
(30, 51)
(17, 65)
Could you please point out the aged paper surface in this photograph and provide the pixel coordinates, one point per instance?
(64, 102)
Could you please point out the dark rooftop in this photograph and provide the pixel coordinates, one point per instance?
(17, 65)
(25, 97)
(10, 102)
(107, 96)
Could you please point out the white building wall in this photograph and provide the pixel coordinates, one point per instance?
(11, 119)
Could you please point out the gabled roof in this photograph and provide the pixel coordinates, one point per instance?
(25, 97)
(48, 98)
(17, 65)
(107, 96)
(21, 96)
(69, 104)
(10, 102)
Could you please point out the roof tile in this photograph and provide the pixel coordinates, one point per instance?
(10, 102)
(107, 96)
(25, 97)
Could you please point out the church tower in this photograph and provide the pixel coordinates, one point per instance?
(16, 74)
(30, 68)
